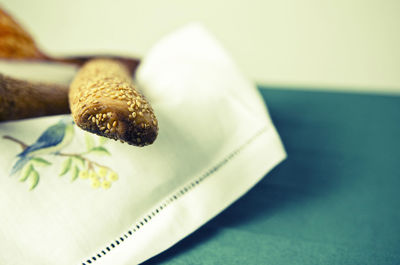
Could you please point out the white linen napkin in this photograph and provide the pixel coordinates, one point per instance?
(118, 204)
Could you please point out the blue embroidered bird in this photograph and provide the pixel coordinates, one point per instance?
(55, 138)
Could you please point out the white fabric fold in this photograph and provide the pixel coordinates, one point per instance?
(216, 140)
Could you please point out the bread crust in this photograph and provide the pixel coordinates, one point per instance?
(15, 42)
(103, 100)
(23, 99)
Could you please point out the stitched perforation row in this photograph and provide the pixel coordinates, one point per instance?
(176, 196)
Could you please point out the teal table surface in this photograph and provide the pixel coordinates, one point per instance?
(335, 200)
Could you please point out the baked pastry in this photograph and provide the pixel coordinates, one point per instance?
(103, 100)
(15, 42)
(23, 99)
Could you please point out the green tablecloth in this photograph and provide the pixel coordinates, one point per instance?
(335, 200)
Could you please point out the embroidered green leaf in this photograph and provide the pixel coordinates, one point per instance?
(80, 160)
(75, 173)
(89, 141)
(99, 150)
(34, 179)
(102, 140)
(37, 161)
(26, 171)
(66, 166)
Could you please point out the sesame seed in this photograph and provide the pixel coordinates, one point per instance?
(154, 122)
(93, 119)
(107, 131)
(140, 113)
(114, 124)
(133, 114)
(104, 116)
(108, 126)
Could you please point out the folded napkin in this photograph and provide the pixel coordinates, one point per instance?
(97, 201)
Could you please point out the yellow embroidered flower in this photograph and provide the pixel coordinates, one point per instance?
(95, 184)
(106, 184)
(93, 175)
(113, 176)
(102, 172)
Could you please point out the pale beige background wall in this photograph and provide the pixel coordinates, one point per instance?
(342, 44)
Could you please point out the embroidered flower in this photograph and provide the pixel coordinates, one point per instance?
(77, 165)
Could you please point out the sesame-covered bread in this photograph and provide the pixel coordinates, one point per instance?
(103, 100)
